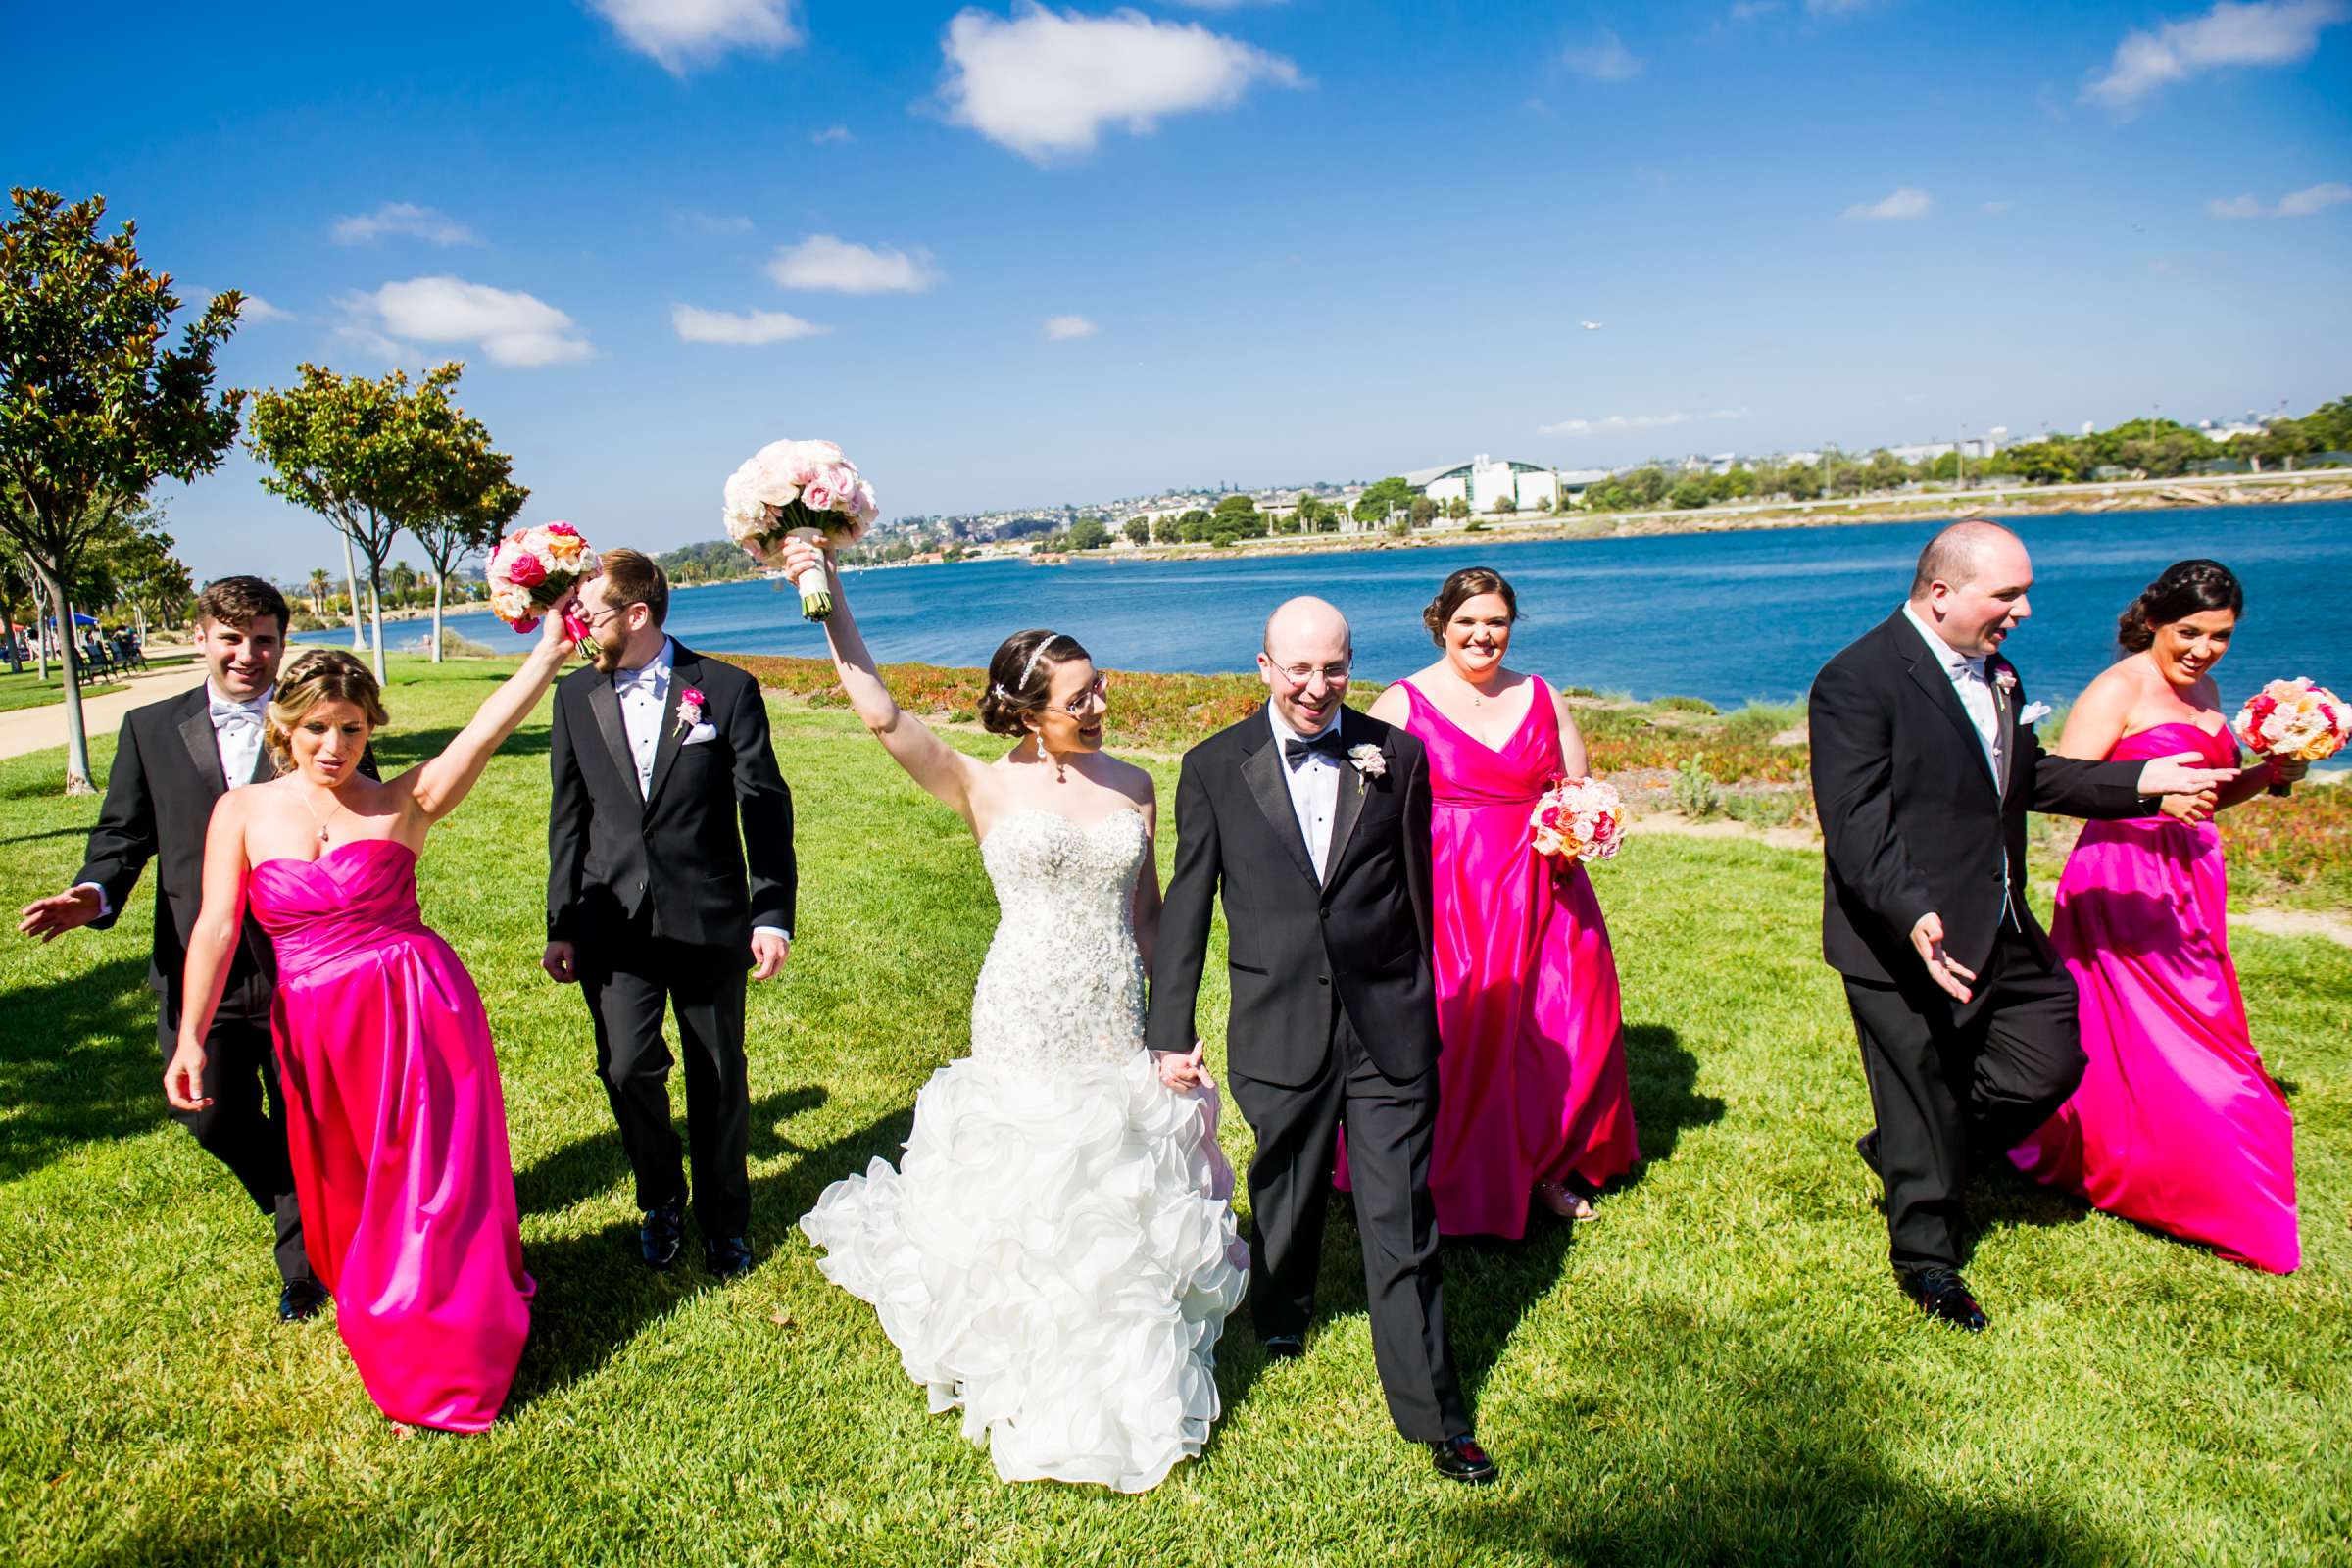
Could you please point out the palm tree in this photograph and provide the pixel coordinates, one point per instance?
(319, 585)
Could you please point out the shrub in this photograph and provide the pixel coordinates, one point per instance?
(1695, 791)
(1685, 704)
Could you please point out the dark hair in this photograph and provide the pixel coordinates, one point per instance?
(241, 601)
(1020, 675)
(1467, 583)
(2186, 588)
(324, 674)
(632, 578)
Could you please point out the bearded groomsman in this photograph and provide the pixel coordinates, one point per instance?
(654, 901)
(176, 757)
(1925, 764)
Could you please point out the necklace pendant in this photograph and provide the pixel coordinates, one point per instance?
(322, 835)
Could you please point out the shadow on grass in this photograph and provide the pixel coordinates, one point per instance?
(78, 1063)
(398, 749)
(53, 833)
(1779, 1459)
(594, 1295)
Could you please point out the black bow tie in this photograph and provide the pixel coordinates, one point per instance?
(1294, 752)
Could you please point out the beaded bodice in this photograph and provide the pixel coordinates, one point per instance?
(1063, 983)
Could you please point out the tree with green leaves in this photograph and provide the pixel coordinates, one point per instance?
(1087, 533)
(463, 492)
(17, 587)
(317, 587)
(1138, 530)
(359, 453)
(1383, 497)
(94, 406)
(148, 580)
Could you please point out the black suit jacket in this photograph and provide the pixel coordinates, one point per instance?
(1913, 820)
(672, 855)
(159, 803)
(1295, 943)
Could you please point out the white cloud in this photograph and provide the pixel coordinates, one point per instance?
(678, 33)
(1618, 423)
(513, 329)
(2294, 204)
(831, 133)
(2262, 33)
(1046, 82)
(1062, 328)
(402, 218)
(695, 325)
(1608, 59)
(822, 262)
(255, 310)
(1906, 201)
(1996, 209)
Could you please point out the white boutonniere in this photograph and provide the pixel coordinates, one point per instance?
(1367, 760)
(2033, 714)
(690, 709)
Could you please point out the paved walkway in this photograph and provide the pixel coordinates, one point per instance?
(34, 729)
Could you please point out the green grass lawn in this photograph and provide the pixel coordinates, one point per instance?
(1718, 1370)
(28, 690)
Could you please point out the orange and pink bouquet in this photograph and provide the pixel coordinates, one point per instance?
(1578, 819)
(531, 570)
(2295, 721)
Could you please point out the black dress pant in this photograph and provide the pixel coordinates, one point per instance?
(1390, 1126)
(627, 983)
(1948, 1080)
(245, 1126)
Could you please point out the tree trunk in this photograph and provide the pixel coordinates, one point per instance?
(7, 632)
(376, 611)
(440, 582)
(77, 740)
(350, 579)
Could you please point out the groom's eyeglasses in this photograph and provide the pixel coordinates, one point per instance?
(1302, 675)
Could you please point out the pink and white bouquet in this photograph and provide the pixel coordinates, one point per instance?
(1578, 819)
(799, 487)
(530, 571)
(2295, 721)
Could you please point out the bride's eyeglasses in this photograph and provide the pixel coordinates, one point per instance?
(1077, 706)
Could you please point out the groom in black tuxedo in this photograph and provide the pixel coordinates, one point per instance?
(1925, 764)
(1313, 820)
(653, 899)
(173, 760)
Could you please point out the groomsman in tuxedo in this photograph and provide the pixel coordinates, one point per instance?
(1312, 821)
(1925, 764)
(655, 899)
(174, 759)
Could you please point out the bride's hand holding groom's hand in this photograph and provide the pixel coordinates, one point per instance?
(1181, 1069)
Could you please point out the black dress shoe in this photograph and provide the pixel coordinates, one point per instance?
(1460, 1458)
(301, 1300)
(659, 1234)
(1867, 1146)
(1943, 1295)
(728, 1260)
(1285, 1347)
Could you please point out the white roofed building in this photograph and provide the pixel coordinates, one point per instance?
(1484, 480)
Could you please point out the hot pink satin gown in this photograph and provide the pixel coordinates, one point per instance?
(2176, 1125)
(398, 1134)
(1530, 1060)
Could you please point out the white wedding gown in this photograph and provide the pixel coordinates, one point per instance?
(1056, 1252)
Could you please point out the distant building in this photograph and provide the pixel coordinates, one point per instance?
(1485, 480)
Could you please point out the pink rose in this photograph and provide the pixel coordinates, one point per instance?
(819, 494)
(527, 627)
(562, 527)
(525, 571)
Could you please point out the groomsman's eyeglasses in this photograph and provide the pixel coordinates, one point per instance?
(1302, 675)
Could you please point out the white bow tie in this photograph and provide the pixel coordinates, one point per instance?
(235, 714)
(644, 676)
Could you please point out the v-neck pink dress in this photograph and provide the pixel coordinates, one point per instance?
(1530, 1065)
(2175, 1124)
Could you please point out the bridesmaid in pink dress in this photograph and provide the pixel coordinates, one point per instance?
(2175, 1124)
(1532, 1095)
(396, 1125)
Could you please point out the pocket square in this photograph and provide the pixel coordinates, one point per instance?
(2033, 714)
(698, 734)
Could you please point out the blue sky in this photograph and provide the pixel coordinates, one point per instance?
(1300, 238)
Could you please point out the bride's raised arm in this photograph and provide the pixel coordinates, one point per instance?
(940, 768)
(437, 785)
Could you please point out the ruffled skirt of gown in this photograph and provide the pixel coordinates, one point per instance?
(1056, 1255)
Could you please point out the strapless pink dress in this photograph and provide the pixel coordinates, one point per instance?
(2175, 1124)
(1531, 1030)
(398, 1134)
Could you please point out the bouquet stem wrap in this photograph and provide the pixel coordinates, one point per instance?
(799, 487)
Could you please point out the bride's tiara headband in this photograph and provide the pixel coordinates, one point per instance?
(1030, 668)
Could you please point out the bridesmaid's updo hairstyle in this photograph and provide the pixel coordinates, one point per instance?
(327, 674)
(2186, 588)
(1465, 584)
(1021, 675)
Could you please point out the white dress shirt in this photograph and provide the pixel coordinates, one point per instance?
(1314, 786)
(236, 737)
(644, 694)
(1970, 684)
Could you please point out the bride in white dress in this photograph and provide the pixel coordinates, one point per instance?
(1056, 1252)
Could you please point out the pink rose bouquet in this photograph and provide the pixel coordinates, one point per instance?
(2295, 721)
(799, 487)
(1578, 819)
(530, 571)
